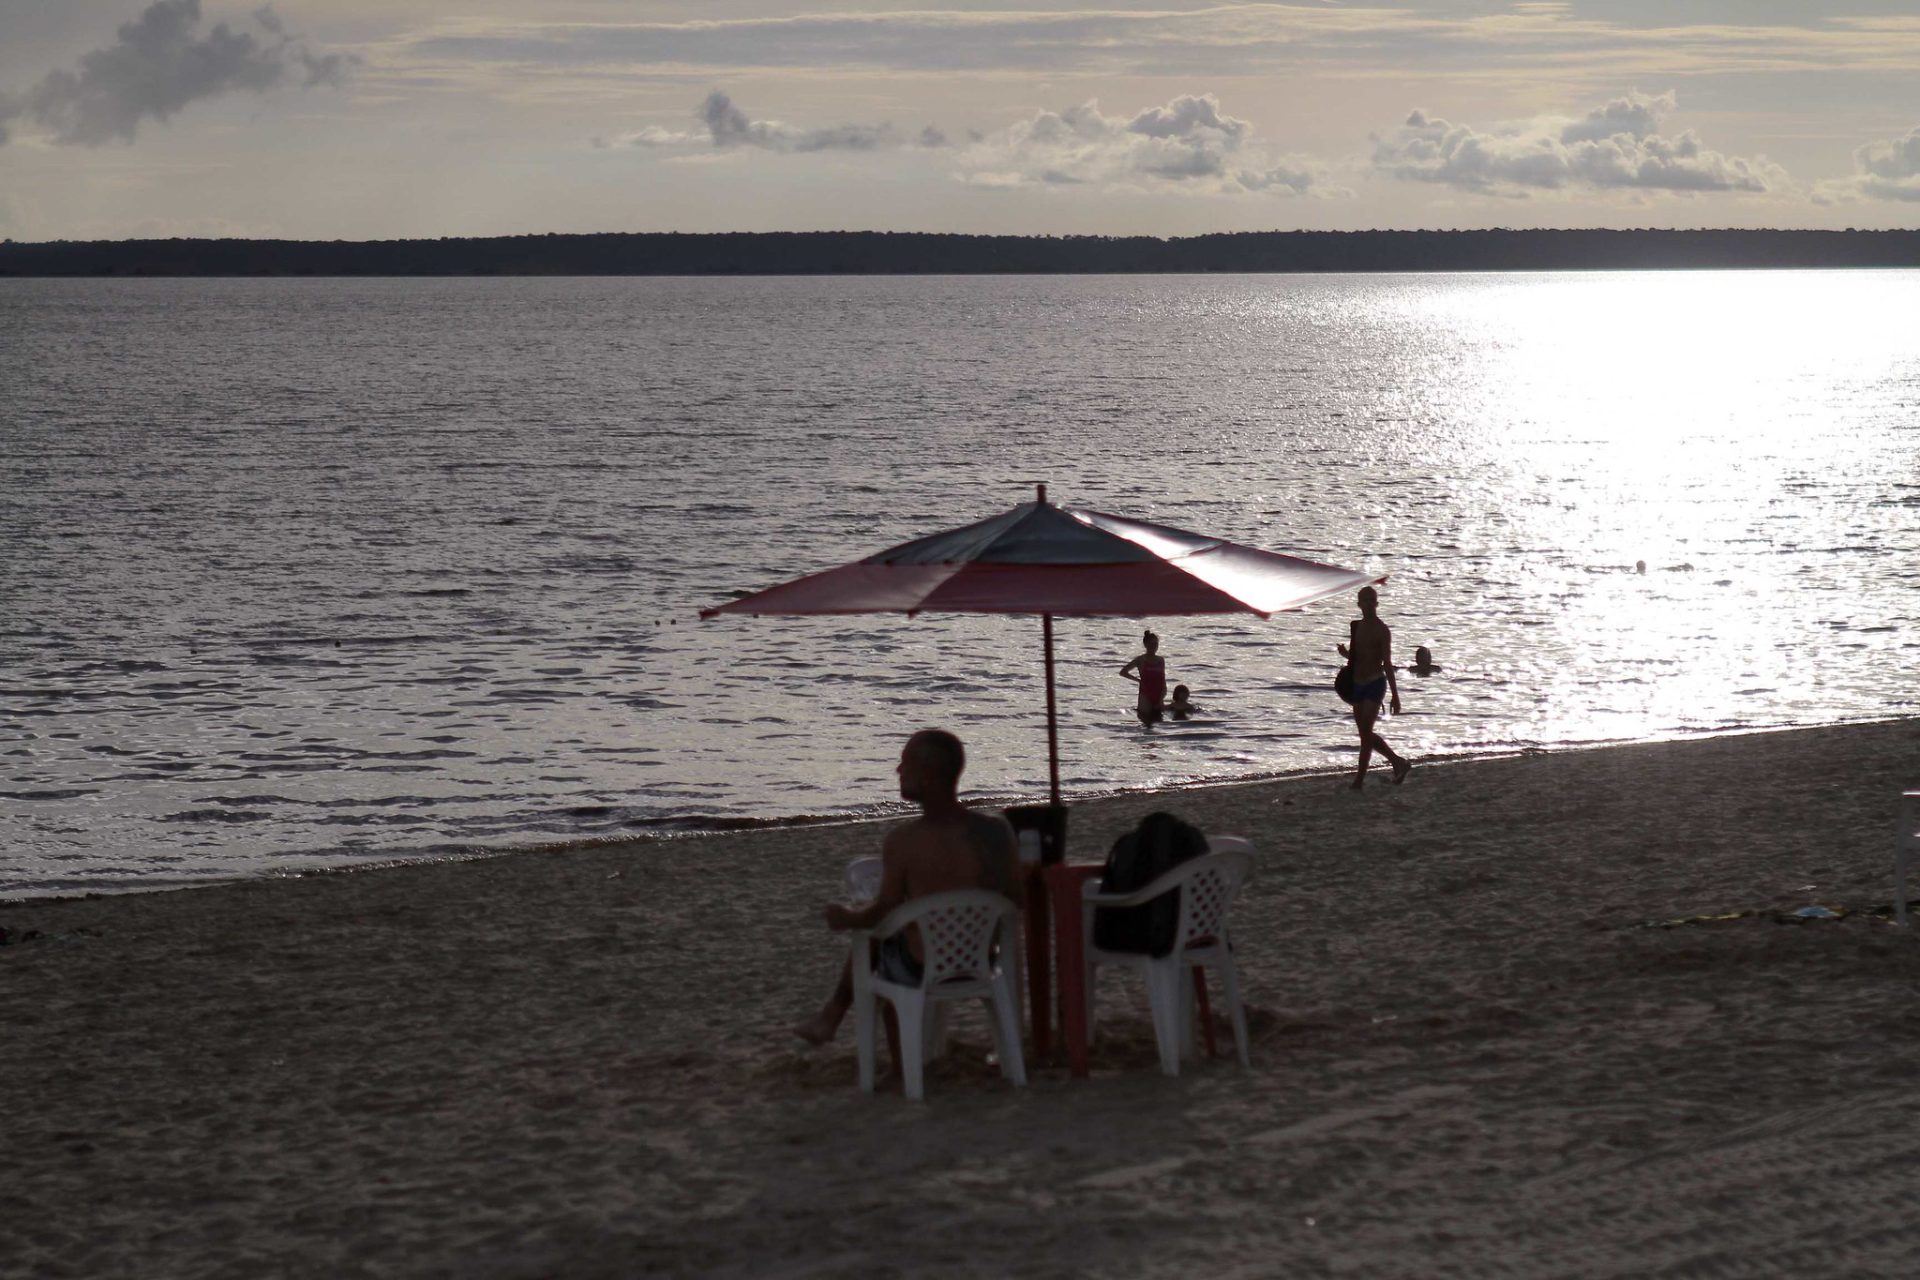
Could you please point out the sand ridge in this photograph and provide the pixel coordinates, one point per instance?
(1476, 1053)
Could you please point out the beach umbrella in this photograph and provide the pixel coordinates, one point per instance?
(1058, 562)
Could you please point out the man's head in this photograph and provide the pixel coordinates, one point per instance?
(1369, 601)
(930, 765)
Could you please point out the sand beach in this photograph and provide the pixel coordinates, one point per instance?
(1496, 1033)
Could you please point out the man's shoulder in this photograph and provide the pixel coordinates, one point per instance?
(905, 835)
(989, 827)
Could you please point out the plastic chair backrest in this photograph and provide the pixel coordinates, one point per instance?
(956, 932)
(1208, 886)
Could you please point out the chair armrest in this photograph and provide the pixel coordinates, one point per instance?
(1092, 897)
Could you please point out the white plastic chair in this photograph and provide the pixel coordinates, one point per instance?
(1207, 887)
(1906, 846)
(957, 935)
(861, 884)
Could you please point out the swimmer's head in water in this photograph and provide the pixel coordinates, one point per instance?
(1423, 657)
(1179, 693)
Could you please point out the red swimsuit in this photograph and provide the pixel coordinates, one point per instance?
(1153, 681)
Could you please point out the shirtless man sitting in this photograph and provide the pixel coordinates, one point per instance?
(947, 847)
(1371, 657)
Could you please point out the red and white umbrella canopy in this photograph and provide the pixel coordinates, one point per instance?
(1039, 558)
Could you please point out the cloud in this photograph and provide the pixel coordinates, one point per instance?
(1882, 171)
(159, 64)
(1520, 42)
(1187, 143)
(727, 127)
(1613, 147)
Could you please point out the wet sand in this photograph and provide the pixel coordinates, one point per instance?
(1472, 1054)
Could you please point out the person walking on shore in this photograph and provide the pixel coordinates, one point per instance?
(1152, 679)
(1369, 651)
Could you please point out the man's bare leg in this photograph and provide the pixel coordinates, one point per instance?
(821, 1027)
(898, 1075)
(1400, 764)
(1364, 714)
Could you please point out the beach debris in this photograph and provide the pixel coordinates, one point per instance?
(14, 938)
(1800, 915)
(1710, 918)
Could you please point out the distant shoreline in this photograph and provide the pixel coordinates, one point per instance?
(912, 253)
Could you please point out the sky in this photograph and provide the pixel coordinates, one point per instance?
(383, 119)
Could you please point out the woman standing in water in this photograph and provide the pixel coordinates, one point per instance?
(1152, 679)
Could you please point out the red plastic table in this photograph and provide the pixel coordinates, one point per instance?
(1064, 881)
(1053, 896)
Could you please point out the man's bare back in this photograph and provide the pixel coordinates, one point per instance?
(1371, 650)
(929, 855)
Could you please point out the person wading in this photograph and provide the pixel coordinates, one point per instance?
(1152, 679)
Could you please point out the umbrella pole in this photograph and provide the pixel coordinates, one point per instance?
(1053, 724)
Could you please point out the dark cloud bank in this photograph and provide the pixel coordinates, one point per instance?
(157, 65)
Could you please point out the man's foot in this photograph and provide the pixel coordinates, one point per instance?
(818, 1029)
(1357, 784)
(1401, 768)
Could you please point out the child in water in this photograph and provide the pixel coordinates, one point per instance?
(1182, 706)
(1152, 679)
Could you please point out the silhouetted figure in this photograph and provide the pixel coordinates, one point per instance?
(1423, 663)
(1369, 651)
(947, 847)
(1152, 679)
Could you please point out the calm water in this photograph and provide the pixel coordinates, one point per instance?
(302, 573)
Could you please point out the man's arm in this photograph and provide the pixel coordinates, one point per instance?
(893, 891)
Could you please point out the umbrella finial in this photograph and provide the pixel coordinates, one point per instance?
(1042, 491)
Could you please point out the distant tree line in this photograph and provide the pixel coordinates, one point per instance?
(913, 253)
